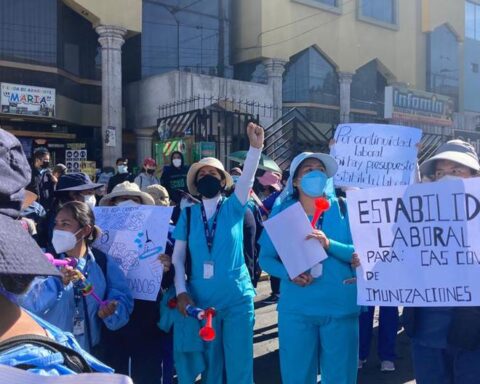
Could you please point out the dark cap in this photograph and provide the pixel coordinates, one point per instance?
(19, 253)
(76, 182)
(15, 172)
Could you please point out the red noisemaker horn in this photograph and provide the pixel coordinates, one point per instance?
(321, 205)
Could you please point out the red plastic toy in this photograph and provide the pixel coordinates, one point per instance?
(321, 205)
(207, 333)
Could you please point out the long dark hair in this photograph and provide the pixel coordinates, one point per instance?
(83, 214)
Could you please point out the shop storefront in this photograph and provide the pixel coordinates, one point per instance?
(433, 113)
(29, 112)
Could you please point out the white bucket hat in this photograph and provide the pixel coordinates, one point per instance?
(195, 167)
(458, 151)
(328, 161)
(127, 189)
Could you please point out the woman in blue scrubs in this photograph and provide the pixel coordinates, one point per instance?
(317, 311)
(61, 301)
(219, 277)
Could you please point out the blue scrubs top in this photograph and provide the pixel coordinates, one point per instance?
(56, 303)
(328, 295)
(230, 283)
(42, 360)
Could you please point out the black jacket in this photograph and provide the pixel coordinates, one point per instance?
(464, 330)
(175, 179)
(118, 179)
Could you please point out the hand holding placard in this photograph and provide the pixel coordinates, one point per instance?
(290, 241)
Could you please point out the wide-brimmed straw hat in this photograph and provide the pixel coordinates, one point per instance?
(159, 194)
(77, 181)
(195, 167)
(458, 151)
(127, 189)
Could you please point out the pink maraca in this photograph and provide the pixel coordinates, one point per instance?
(67, 262)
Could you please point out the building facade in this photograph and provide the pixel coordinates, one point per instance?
(344, 58)
(108, 68)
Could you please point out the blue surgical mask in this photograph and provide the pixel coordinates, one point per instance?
(313, 183)
(235, 178)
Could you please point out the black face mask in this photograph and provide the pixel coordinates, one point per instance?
(45, 164)
(150, 171)
(209, 186)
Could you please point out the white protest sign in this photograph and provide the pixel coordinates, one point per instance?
(419, 245)
(288, 231)
(134, 237)
(371, 155)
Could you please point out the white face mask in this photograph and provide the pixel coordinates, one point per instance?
(450, 177)
(177, 162)
(122, 169)
(64, 241)
(127, 203)
(90, 200)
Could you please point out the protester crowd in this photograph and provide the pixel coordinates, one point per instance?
(51, 324)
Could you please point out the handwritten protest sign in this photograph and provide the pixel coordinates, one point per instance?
(134, 237)
(371, 155)
(296, 252)
(418, 245)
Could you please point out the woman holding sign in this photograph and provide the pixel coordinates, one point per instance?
(72, 302)
(446, 340)
(218, 276)
(317, 311)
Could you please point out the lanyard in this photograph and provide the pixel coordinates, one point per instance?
(210, 234)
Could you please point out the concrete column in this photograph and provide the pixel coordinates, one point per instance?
(144, 140)
(345, 80)
(275, 69)
(111, 40)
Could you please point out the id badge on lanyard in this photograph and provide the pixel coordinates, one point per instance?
(78, 320)
(209, 266)
(208, 269)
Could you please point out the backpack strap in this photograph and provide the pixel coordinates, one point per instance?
(71, 358)
(188, 258)
(343, 205)
(101, 260)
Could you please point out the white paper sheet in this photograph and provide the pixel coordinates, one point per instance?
(288, 231)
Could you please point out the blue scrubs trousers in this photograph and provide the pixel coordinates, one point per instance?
(449, 365)
(318, 344)
(387, 333)
(231, 352)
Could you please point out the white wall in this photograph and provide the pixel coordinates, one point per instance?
(144, 97)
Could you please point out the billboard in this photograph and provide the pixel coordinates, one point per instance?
(21, 99)
(415, 106)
